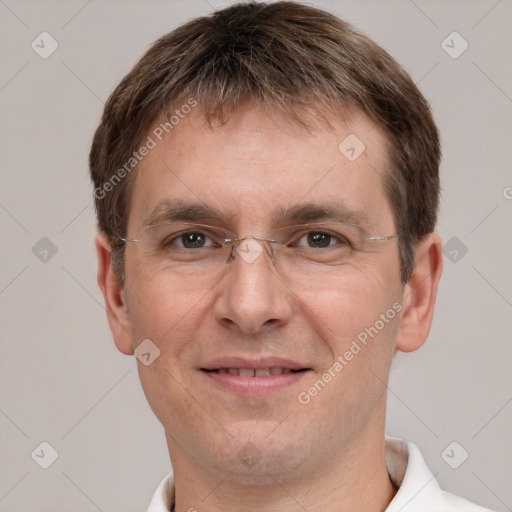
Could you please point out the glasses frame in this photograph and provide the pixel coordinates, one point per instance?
(234, 242)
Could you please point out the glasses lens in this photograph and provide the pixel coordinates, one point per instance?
(297, 250)
(329, 243)
(181, 243)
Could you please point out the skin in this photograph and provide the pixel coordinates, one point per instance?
(328, 454)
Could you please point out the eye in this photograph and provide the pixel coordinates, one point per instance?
(321, 239)
(189, 240)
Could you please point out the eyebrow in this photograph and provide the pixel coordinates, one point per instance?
(334, 211)
(175, 210)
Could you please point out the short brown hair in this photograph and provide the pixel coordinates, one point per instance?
(283, 54)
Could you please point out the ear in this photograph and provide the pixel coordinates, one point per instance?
(114, 296)
(419, 294)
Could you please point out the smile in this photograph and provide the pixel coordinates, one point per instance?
(254, 381)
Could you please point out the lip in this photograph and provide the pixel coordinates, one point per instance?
(254, 385)
(254, 364)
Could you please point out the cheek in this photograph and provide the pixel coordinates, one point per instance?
(358, 323)
(170, 317)
(342, 309)
(165, 311)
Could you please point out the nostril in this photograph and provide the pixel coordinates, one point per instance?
(271, 322)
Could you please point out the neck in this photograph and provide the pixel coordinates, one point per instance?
(355, 479)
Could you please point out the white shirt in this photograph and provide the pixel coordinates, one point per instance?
(418, 489)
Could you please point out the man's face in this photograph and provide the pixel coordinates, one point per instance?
(254, 315)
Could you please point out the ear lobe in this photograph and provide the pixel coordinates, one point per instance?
(113, 293)
(419, 294)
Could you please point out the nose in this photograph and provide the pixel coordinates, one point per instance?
(252, 296)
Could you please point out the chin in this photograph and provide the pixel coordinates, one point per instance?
(254, 457)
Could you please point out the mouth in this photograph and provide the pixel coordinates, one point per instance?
(258, 372)
(244, 376)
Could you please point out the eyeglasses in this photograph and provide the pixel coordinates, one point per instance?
(298, 250)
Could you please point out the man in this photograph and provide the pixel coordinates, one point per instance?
(266, 184)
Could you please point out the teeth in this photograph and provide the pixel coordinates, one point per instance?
(260, 372)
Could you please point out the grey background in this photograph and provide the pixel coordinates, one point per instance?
(61, 378)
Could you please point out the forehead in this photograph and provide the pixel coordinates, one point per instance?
(259, 163)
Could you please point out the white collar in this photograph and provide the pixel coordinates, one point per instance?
(418, 489)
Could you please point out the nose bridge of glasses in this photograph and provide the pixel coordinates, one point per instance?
(250, 247)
